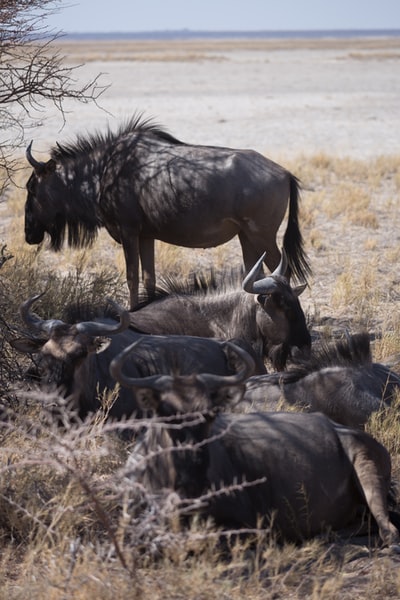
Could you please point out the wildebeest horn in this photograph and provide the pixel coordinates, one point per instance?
(157, 382)
(267, 284)
(97, 328)
(163, 382)
(36, 164)
(212, 380)
(34, 322)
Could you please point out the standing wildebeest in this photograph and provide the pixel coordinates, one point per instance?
(302, 473)
(266, 313)
(339, 380)
(142, 184)
(75, 357)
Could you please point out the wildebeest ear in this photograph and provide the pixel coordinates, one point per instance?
(27, 345)
(299, 289)
(49, 167)
(100, 344)
(45, 168)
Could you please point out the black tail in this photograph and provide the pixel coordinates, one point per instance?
(293, 240)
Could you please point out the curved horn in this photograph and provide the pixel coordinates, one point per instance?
(282, 267)
(34, 322)
(252, 285)
(249, 280)
(36, 164)
(162, 382)
(212, 380)
(157, 382)
(97, 328)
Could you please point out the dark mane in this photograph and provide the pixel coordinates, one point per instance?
(85, 144)
(80, 229)
(354, 351)
(197, 284)
(77, 312)
(80, 225)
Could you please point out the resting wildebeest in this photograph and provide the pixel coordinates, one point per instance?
(266, 313)
(340, 380)
(302, 474)
(185, 388)
(142, 184)
(75, 357)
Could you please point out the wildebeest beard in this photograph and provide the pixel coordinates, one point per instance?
(80, 233)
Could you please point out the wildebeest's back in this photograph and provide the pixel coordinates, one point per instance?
(179, 355)
(304, 464)
(174, 314)
(338, 379)
(195, 196)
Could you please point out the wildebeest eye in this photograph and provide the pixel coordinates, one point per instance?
(278, 300)
(274, 298)
(261, 299)
(31, 184)
(33, 373)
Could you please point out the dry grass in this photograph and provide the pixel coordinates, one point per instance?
(216, 49)
(71, 523)
(374, 55)
(74, 526)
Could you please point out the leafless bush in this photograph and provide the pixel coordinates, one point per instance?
(72, 503)
(81, 484)
(8, 365)
(21, 278)
(32, 72)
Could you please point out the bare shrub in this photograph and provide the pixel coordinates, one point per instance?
(21, 278)
(32, 72)
(84, 525)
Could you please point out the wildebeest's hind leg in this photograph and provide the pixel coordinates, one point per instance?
(253, 246)
(372, 467)
(146, 249)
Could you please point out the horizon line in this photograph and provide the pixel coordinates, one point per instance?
(207, 32)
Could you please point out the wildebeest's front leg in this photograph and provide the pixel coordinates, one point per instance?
(146, 249)
(131, 252)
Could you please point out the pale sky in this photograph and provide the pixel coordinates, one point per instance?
(224, 15)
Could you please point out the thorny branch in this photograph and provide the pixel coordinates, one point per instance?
(32, 73)
(143, 519)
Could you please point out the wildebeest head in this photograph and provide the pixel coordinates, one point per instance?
(179, 394)
(279, 300)
(188, 404)
(65, 347)
(49, 188)
(40, 213)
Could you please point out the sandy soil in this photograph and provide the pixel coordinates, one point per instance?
(280, 99)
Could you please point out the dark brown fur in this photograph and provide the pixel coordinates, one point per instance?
(142, 184)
